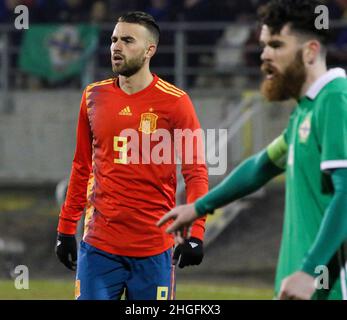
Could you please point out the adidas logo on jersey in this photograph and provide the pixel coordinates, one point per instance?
(125, 112)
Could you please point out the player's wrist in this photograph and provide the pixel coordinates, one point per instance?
(201, 208)
(309, 267)
(64, 235)
(197, 231)
(196, 240)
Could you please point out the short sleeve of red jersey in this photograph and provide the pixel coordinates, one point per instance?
(195, 171)
(76, 196)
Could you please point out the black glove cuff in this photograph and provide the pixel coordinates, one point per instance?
(196, 240)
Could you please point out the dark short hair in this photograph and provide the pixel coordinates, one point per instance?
(299, 14)
(144, 19)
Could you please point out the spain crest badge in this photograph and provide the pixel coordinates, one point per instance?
(148, 122)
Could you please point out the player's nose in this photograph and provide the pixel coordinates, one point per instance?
(116, 47)
(266, 54)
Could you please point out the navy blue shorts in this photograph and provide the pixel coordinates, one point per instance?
(105, 276)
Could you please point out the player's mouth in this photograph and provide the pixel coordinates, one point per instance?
(117, 58)
(269, 72)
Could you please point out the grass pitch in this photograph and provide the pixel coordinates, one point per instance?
(64, 290)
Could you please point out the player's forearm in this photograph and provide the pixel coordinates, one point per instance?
(249, 176)
(76, 199)
(333, 229)
(76, 196)
(194, 169)
(196, 180)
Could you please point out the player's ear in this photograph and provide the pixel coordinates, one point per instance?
(311, 51)
(151, 50)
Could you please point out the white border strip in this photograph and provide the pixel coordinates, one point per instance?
(333, 164)
(342, 276)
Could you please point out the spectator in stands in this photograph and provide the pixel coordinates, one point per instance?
(122, 6)
(198, 11)
(338, 51)
(337, 9)
(75, 11)
(66, 11)
(98, 12)
(99, 15)
(7, 8)
(8, 16)
(159, 9)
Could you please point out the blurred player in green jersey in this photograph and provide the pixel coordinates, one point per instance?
(312, 151)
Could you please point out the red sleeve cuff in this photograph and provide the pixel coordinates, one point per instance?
(67, 226)
(198, 229)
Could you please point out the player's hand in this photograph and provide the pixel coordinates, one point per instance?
(298, 286)
(189, 253)
(184, 216)
(66, 250)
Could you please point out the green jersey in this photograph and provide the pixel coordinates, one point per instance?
(314, 142)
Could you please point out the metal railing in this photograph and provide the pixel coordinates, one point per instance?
(180, 48)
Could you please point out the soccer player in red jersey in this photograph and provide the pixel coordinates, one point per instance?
(126, 162)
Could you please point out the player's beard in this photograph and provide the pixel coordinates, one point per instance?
(286, 85)
(129, 67)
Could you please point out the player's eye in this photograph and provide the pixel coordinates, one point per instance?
(276, 45)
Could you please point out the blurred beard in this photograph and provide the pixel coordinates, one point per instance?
(129, 68)
(286, 85)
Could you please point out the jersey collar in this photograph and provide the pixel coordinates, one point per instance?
(323, 80)
(137, 94)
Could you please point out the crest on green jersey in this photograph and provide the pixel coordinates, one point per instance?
(305, 128)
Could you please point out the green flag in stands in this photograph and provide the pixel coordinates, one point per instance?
(57, 52)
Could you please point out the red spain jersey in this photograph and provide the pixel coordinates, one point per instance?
(126, 198)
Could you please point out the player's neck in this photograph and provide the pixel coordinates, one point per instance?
(313, 73)
(136, 82)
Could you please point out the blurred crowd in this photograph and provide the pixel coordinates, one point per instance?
(106, 10)
(224, 42)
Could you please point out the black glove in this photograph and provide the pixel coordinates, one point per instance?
(66, 250)
(189, 253)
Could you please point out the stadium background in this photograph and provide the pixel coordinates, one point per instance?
(208, 48)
